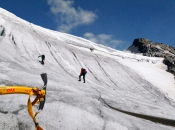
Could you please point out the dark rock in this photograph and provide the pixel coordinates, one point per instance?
(148, 48)
(2, 30)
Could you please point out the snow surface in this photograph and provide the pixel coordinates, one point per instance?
(122, 80)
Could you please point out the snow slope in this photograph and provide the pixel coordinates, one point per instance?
(122, 80)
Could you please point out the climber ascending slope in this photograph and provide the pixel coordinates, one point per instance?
(42, 59)
(82, 73)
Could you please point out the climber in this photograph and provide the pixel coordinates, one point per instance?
(82, 73)
(42, 59)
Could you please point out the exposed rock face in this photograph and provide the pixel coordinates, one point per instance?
(148, 48)
(2, 29)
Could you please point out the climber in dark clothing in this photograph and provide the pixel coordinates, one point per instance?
(82, 73)
(42, 59)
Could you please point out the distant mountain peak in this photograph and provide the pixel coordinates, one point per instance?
(151, 49)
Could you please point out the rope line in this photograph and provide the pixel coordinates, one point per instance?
(164, 121)
(160, 120)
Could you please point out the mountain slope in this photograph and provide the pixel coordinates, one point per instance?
(114, 79)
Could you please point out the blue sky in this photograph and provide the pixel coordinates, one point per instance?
(114, 23)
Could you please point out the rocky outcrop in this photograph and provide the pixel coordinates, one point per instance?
(2, 30)
(148, 48)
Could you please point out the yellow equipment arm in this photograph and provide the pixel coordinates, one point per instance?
(21, 90)
(40, 96)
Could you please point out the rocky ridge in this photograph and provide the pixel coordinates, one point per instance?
(151, 49)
